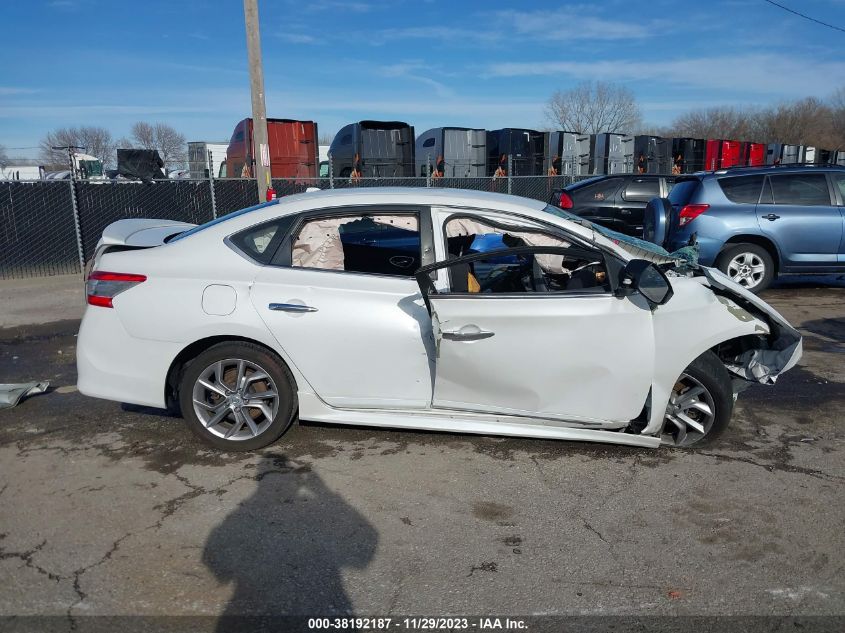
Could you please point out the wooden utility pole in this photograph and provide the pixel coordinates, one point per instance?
(260, 149)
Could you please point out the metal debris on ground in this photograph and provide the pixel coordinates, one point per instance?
(11, 395)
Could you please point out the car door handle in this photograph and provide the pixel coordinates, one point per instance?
(469, 335)
(291, 307)
(771, 217)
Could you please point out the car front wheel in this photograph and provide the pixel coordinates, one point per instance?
(749, 265)
(237, 396)
(701, 403)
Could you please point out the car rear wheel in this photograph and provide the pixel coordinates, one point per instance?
(749, 265)
(238, 396)
(701, 403)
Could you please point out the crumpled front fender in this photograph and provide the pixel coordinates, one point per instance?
(783, 347)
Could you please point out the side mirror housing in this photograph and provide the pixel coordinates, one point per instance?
(646, 278)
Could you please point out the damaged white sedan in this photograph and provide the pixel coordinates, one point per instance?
(428, 309)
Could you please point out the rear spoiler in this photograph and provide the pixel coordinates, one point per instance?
(134, 234)
(141, 233)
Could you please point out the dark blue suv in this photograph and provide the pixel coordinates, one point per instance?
(754, 223)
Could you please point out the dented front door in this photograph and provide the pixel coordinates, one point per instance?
(583, 358)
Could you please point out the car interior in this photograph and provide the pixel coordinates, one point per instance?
(527, 270)
(380, 244)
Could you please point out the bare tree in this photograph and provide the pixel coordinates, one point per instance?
(719, 122)
(4, 159)
(592, 107)
(325, 139)
(171, 145)
(837, 106)
(805, 122)
(97, 142)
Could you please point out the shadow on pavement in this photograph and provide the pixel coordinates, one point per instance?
(284, 548)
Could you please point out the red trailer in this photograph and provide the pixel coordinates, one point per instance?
(720, 154)
(292, 145)
(752, 154)
(730, 154)
(711, 154)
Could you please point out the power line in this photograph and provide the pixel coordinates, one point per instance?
(806, 17)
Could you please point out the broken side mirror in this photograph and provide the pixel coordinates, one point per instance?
(646, 278)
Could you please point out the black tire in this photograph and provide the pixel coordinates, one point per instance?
(710, 373)
(732, 251)
(260, 357)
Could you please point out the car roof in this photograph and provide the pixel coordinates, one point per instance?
(416, 195)
(768, 169)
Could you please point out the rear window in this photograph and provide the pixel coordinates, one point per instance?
(742, 189)
(800, 189)
(596, 191)
(683, 191)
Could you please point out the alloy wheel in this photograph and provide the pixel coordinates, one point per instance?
(235, 399)
(690, 413)
(747, 269)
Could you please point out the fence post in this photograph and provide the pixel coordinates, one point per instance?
(211, 185)
(428, 171)
(510, 173)
(77, 225)
(331, 172)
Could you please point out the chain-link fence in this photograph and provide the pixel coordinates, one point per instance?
(51, 228)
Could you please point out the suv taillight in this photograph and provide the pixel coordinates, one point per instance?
(690, 212)
(565, 201)
(101, 286)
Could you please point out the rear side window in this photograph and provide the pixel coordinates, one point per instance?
(641, 190)
(742, 189)
(260, 242)
(429, 142)
(683, 192)
(839, 182)
(383, 244)
(597, 191)
(800, 189)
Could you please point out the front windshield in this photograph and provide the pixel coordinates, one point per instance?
(91, 168)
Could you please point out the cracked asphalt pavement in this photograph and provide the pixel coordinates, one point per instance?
(117, 510)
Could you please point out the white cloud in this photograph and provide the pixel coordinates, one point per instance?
(764, 74)
(16, 90)
(411, 71)
(577, 22)
(297, 38)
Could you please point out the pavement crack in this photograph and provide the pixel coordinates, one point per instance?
(27, 558)
(590, 528)
(77, 577)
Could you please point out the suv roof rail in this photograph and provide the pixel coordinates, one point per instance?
(725, 170)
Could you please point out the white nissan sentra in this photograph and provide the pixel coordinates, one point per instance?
(434, 309)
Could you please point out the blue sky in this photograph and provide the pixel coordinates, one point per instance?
(480, 64)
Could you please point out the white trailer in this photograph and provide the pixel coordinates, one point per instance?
(198, 163)
(22, 172)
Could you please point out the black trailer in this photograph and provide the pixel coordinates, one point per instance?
(652, 155)
(454, 152)
(374, 149)
(526, 149)
(688, 154)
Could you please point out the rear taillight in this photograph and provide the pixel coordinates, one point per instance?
(103, 286)
(565, 201)
(690, 212)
